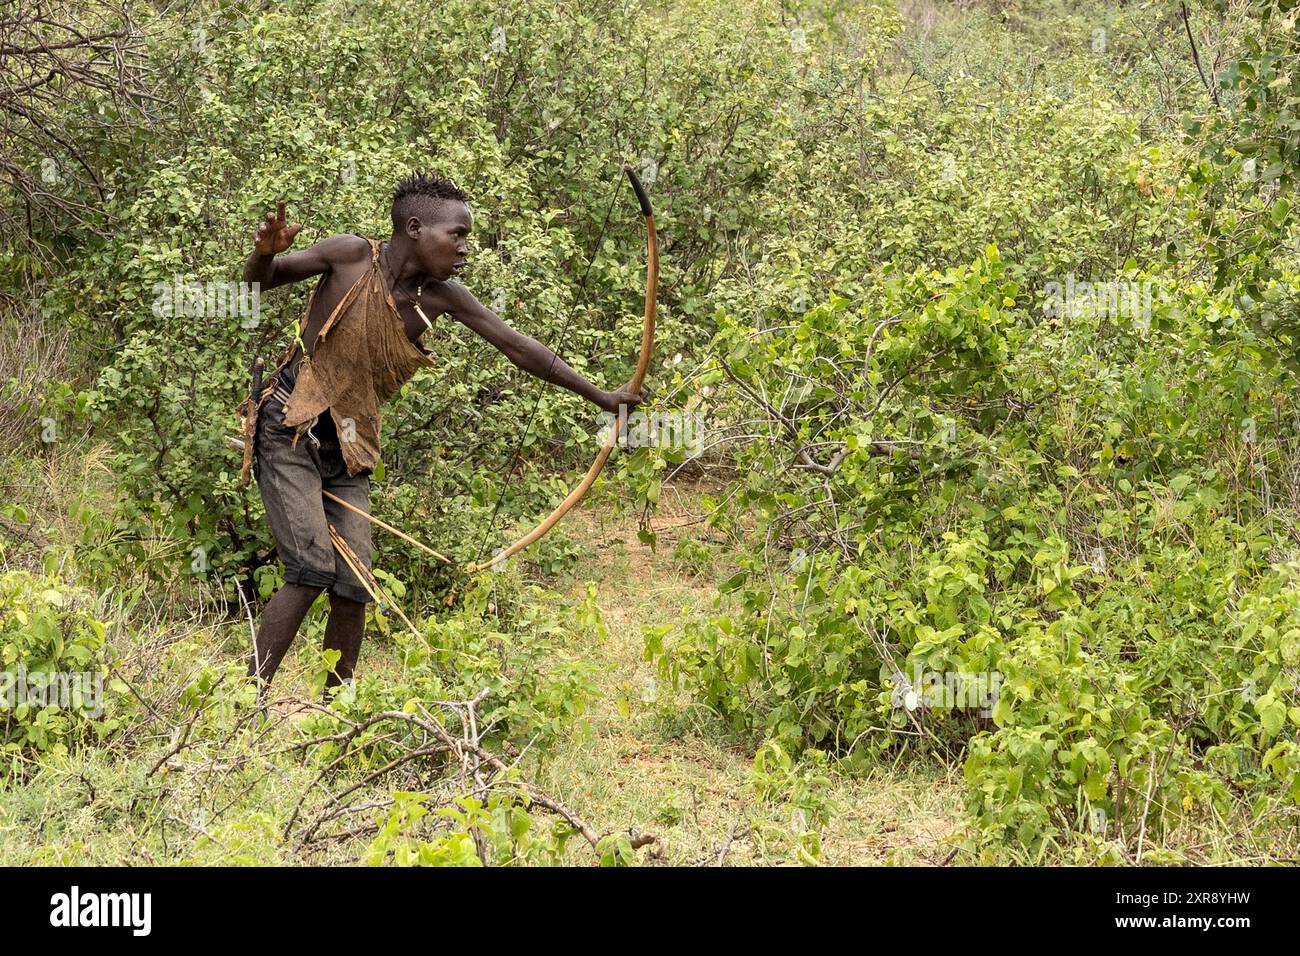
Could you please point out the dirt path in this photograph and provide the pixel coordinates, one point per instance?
(655, 764)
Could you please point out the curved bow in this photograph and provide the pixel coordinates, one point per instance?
(643, 363)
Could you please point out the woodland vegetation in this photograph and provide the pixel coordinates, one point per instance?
(988, 313)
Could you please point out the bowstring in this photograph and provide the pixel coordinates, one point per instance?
(541, 385)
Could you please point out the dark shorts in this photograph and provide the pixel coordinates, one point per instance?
(291, 480)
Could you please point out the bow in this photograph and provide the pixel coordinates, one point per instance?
(643, 363)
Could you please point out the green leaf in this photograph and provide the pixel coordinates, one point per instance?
(733, 583)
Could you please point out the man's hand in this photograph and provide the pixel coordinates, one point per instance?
(622, 396)
(273, 236)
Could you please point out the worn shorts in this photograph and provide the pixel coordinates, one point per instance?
(291, 480)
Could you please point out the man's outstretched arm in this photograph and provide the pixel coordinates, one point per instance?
(528, 354)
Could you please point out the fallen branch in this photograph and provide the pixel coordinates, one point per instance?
(466, 749)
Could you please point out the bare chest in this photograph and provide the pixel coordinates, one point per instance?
(334, 287)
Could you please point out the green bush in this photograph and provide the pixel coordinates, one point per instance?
(57, 688)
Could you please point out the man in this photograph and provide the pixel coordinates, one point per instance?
(317, 422)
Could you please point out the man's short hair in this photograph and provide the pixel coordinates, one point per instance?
(422, 195)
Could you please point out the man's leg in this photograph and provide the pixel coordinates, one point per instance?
(290, 483)
(343, 634)
(281, 619)
(348, 595)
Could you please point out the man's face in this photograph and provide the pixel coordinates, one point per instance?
(442, 245)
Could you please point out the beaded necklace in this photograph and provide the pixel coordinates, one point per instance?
(418, 291)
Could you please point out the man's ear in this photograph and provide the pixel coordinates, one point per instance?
(413, 227)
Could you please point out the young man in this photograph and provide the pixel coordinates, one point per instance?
(318, 416)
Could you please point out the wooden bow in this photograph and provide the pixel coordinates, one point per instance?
(643, 363)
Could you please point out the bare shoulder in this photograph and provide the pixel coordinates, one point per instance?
(344, 249)
(450, 296)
